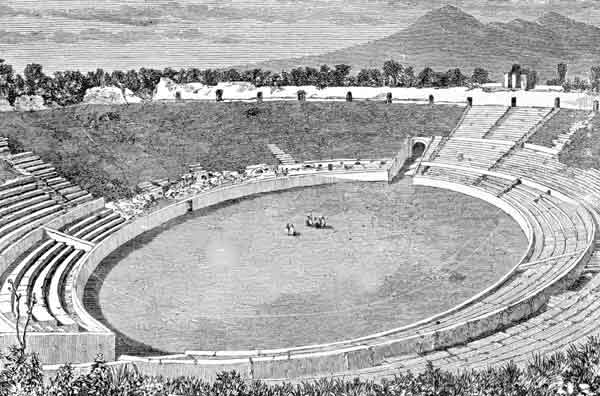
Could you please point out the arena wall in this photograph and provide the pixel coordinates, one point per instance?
(339, 358)
(66, 347)
(336, 357)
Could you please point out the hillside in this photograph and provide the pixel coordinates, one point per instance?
(448, 37)
(584, 150)
(110, 149)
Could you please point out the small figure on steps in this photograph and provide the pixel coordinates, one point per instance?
(291, 231)
(310, 221)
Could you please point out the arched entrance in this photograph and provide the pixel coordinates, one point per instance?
(417, 149)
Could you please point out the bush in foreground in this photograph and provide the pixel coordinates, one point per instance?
(573, 372)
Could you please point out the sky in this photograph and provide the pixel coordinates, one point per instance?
(87, 34)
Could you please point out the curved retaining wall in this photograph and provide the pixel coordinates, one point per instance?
(315, 362)
(350, 357)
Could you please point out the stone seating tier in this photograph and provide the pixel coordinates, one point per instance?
(478, 121)
(517, 122)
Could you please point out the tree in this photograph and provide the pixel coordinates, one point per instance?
(533, 79)
(276, 80)
(595, 78)
(426, 78)
(392, 71)
(455, 78)
(132, 81)
(312, 76)
(149, 78)
(97, 78)
(480, 76)
(231, 75)
(562, 72)
(117, 78)
(298, 76)
(285, 78)
(407, 77)
(69, 87)
(7, 78)
(375, 77)
(340, 74)
(363, 78)
(324, 76)
(35, 79)
(28, 304)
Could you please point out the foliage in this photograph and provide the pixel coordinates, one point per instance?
(575, 371)
(68, 87)
(22, 373)
(595, 78)
(561, 69)
(480, 76)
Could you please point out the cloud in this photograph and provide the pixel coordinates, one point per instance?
(7, 11)
(126, 15)
(161, 12)
(114, 37)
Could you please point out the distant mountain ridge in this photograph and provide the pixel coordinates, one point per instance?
(448, 37)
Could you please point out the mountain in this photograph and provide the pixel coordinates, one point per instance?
(448, 37)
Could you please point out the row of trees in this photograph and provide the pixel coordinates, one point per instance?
(69, 87)
(576, 84)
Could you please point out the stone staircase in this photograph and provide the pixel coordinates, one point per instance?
(281, 155)
(565, 138)
(4, 150)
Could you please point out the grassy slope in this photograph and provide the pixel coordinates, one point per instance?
(558, 124)
(584, 150)
(109, 149)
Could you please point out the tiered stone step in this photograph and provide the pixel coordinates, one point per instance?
(432, 149)
(46, 273)
(23, 207)
(97, 226)
(56, 300)
(476, 153)
(31, 163)
(19, 275)
(40, 287)
(4, 149)
(517, 122)
(593, 265)
(478, 121)
(281, 156)
(33, 275)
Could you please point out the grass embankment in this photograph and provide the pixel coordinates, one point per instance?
(584, 150)
(560, 123)
(110, 149)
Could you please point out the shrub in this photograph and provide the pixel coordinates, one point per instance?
(574, 372)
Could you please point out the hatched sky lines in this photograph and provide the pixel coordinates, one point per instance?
(122, 35)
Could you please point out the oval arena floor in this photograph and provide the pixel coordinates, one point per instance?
(230, 278)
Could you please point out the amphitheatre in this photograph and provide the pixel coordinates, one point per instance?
(335, 302)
